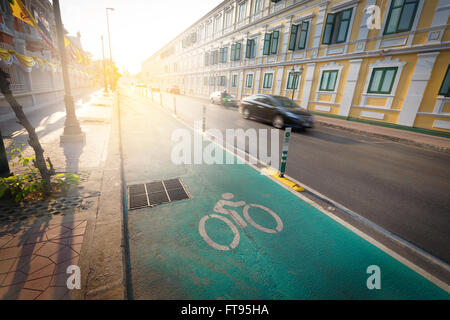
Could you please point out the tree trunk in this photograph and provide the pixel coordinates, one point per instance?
(33, 140)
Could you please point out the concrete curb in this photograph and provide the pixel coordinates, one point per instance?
(106, 278)
(387, 137)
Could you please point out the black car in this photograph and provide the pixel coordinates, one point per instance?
(279, 111)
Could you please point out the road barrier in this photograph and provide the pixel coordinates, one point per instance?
(204, 119)
(174, 105)
(287, 135)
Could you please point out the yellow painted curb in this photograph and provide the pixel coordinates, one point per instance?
(274, 174)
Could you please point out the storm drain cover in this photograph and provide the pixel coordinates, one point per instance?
(155, 193)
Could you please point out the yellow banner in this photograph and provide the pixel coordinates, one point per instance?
(25, 60)
(19, 10)
(5, 55)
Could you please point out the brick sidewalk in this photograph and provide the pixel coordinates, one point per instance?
(403, 136)
(38, 241)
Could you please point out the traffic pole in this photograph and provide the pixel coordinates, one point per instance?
(174, 105)
(287, 135)
(4, 167)
(204, 119)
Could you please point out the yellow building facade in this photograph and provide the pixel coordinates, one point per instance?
(378, 60)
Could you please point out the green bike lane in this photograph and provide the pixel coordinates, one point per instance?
(312, 257)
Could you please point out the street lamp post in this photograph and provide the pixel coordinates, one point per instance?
(295, 75)
(104, 66)
(72, 129)
(110, 51)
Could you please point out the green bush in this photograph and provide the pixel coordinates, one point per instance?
(30, 185)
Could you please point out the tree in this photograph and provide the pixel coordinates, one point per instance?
(40, 162)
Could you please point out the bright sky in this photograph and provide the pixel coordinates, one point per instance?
(138, 27)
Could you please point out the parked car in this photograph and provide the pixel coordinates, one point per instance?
(223, 98)
(174, 89)
(155, 89)
(280, 111)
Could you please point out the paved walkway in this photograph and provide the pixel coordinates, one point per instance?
(419, 139)
(38, 241)
(240, 235)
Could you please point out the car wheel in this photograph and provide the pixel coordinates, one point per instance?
(246, 113)
(278, 122)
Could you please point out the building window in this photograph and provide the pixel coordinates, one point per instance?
(205, 81)
(249, 81)
(209, 30)
(235, 52)
(258, 6)
(227, 18)
(293, 79)
(328, 81)
(223, 54)
(221, 81)
(401, 16)
(299, 34)
(444, 90)
(241, 11)
(271, 43)
(211, 81)
(214, 57)
(206, 58)
(268, 79)
(382, 80)
(336, 27)
(234, 81)
(250, 52)
(217, 25)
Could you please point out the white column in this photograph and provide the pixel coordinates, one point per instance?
(256, 84)
(286, 36)
(440, 19)
(363, 30)
(349, 91)
(318, 31)
(419, 81)
(280, 73)
(309, 77)
(240, 83)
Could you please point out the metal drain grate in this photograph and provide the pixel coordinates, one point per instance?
(155, 193)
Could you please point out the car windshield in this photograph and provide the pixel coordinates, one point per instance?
(286, 103)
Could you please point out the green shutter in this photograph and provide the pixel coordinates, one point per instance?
(225, 54)
(233, 52)
(293, 38)
(382, 80)
(238, 51)
(401, 16)
(274, 44)
(248, 53)
(344, 24)
(329, 26)
(445, 87)
(267, 41)
(303, 35)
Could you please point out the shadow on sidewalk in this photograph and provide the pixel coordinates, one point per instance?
(42, 252)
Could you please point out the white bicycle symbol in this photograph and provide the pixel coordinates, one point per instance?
(219, 208)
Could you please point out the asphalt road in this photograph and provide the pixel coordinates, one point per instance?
(401, 188)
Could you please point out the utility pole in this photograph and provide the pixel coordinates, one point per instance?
(110, 51)
(72, 129)
(104, 66)
(4, 167)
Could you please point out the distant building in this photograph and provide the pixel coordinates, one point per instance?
(389, 65)
(41, 82)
